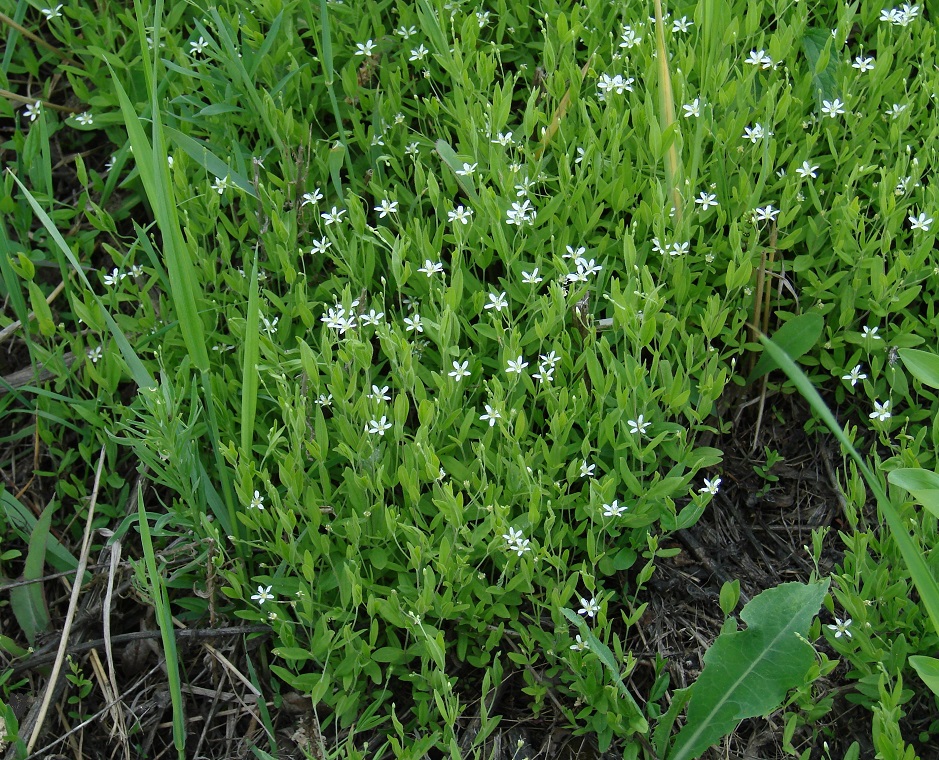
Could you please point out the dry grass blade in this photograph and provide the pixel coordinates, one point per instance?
(70, 615)
(667, 106)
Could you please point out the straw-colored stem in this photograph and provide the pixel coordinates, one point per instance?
(38, 40)
(667, 111)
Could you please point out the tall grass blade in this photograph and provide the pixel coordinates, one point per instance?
(249, 372)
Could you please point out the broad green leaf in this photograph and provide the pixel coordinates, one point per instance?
(928, 669)
(450, 159)
(748, 673)
(24, 522)
(823, 60)
(28, 601)
(923, 365)
(923, 484)
(795, 337)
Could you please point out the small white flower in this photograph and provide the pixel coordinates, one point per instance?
(503, 138)
(414, 323)
(379, 394)
(881, 411)
(615, 509)
(31, 111)
(95, 353)
(257, 502)
(896, 109)
(841, 628)
(629, 38)
(366, 48)
(573, 253)
(378, 426)
(638, 426)
(692, 109)
(460, 214)
(759, 58)
(459, 371)
(373, 317)
(324, 400)
(863, 64)
(531, 278)
(114, 278)
(413, 150)
(807, 170)
(320, 246)
(854, 376)
(920, 222)
(467, 171)
(406, 32)
(832, 108)
(515, 366)
(679, 249)
(491, 415)
(386, 207)
(497, 302)
(682, 24)
(333, 216)
(579, 644)
(765, 213)
(197, 47)
(586, 470)
(86, 119)
(220, 185)
(711, 486)
(418, 53)
(754, 134)
(551, 358)
(51, 13)
(706, 200)
(315, 197)
(264, 595)
(870, 332)
(588, 607)
(431, 267)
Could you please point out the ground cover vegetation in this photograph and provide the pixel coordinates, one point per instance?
(402, 347)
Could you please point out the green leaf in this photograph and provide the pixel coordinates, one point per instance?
(928, 669)
(823, 61)
(923, 484)
(795, 337)
(27, 601)
(923, 365)
(748, 673)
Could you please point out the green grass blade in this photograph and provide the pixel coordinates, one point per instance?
(912, 554)
(249, 374)
(164, 617)
(200, 153)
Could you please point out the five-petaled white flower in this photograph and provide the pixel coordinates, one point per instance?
(196, 47)
(459, 371)
(366, 48)
(51, 13)
(755, 133)
(759, 58)
(515, 541)
(896, 109)
(315, 197)
(460, 214)
(386, 207)
(682, 24)
(706, 200)
(807, 169)
(863, 64)
(854, 376)
(86, 119)
(320, 246)
(881, 411)
(220, 185)
(257, 502)
(586, 470)
(379, 394)
(711, 486)
(531, 278)
(920, 222)
(841, 628)
(832, 108)
(615, 509)
(405, 31)
(588, 607)
(378, 426)
(870, 332)
(515, 366)
(264, 594)
(765, 213)
(638, 426)
(95, 353)
(431, 267)
(491, 415)
(418, 53)
(114, 278)
(333, 216)
(414, 323)
(32, 110)
(467, 171)
(692, 109)
(497, 302)
(579, 644)
(372, 318)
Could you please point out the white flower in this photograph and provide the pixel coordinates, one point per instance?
(459, 371)
(220, 185)
(706, 200)
(711, 486)
(586, 470)
(638, 426)
(379, 394)
(551, 358)
(406, 32)
(573, 253)
(491, 415)
(324, 400)
(754, 134)
(515, 366)
(531, 278)
(832, 108)
(263, 595)
(51, 13)
(682, 24)
(196, 47)
(881, 411)
(386, 207)
(544, 374)
(414, 323)
(114, 278)
(854, 376)
(615, 509)
(870, 332)
(320, 246)
(629, 38)
(431, 267)
(372, 318)
(315, 197)
(467, 171)
(516, 542)
(257, 502)
(679, 249)
(896, 109)
(460, 214)
(95, 353)
(418, 53)
(497, 302)
(807, 170)
(588, 268)
(579, 644)
(920, 222)
(759, 58)
(588, 607)
(366, 48)
(333, 216)
(378, 426)
(841, 628)
(31, 111)
(413, 149)
(86, 119)
(503, 139)
(765, 213)
(692, 109)
(863, 64)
